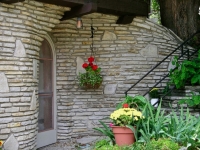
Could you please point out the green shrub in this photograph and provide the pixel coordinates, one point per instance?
(186, 72)
(162, 144)
(102, 143)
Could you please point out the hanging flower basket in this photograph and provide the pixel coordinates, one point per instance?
(90, 86)
(92, 79)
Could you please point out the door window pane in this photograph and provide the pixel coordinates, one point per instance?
(45, 113)
(45, 51)
(45, 77)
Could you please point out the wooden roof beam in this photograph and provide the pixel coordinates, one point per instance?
(65, 3)
(11, 1)
(125, 19)
(80, 11)
(124, 7)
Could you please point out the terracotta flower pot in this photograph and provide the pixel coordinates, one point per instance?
(123, 135)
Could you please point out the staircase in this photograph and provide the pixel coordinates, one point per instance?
(183, 52)
(171, 101)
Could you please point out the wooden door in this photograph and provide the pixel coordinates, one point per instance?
(46, 127)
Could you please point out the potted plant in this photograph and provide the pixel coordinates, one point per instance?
(154, 95)
(92, 78)
(124, 121)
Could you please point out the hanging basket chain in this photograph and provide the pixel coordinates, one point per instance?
(92, 36)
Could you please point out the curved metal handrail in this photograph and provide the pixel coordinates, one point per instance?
(182, 54)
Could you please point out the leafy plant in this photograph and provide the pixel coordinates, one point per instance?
(191, 101)
(106, 131)
(92, 77)
(187, 71)
(154, 93)
(153, 126)
(137, 102)
(184, 129)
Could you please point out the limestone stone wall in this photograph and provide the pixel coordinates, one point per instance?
(124, 52)
(22, 29)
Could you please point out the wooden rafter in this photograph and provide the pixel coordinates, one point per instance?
(125, 9)
(65, 3)
(125, 19)
(80, 11)
(11, 1)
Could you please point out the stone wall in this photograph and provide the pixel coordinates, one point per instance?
(124, 52)
(22, 28)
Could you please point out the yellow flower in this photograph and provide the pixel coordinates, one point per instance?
(1, 143)
(132, 115)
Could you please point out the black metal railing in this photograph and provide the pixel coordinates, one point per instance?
(184, 50)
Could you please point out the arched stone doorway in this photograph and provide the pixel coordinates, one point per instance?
(46, 95)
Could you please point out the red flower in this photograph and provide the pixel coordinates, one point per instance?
(91, 59)
(94, 67)
(91, 64)
(125, 105)
(85, 65)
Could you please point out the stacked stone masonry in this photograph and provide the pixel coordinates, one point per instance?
(124, 52)
(23, 27)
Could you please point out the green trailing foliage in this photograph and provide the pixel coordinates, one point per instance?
(194, 100)
(91, 78)
(187, 72)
